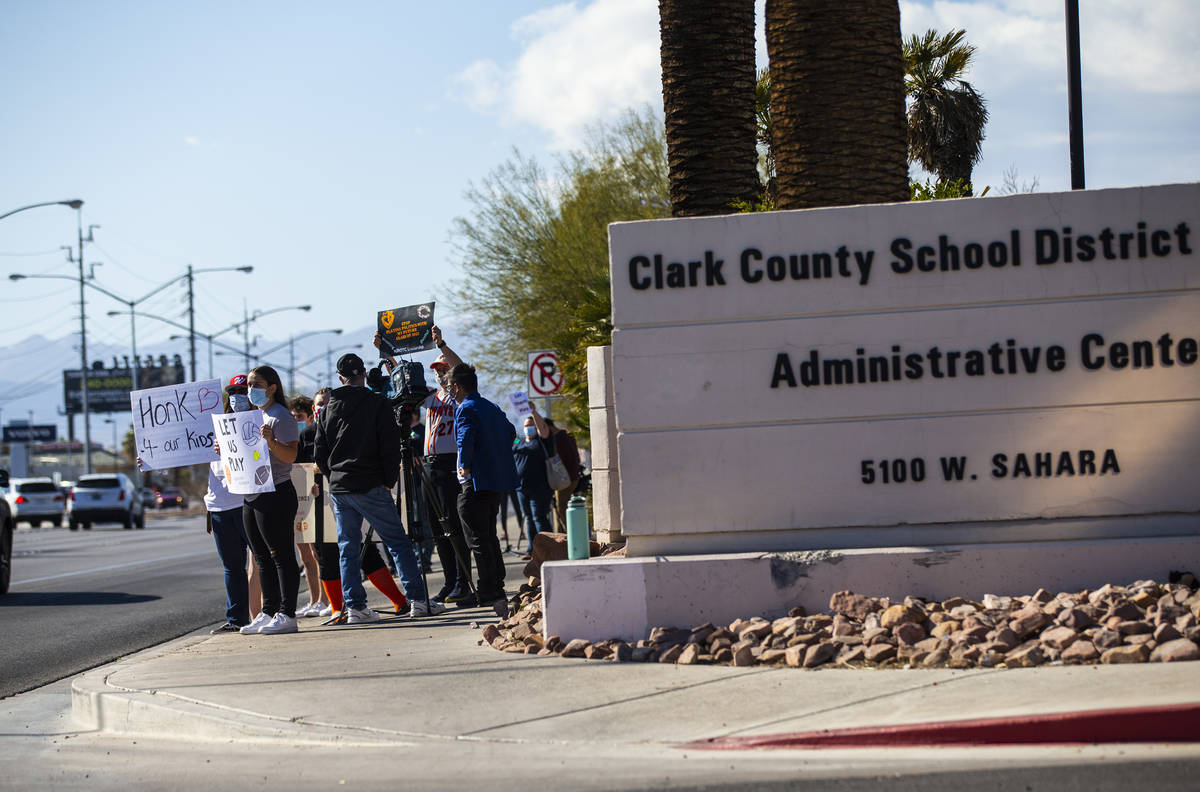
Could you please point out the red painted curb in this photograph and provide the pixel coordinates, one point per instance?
(1174, 723)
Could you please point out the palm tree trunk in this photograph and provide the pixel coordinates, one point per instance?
(708, 80)
(837, 102)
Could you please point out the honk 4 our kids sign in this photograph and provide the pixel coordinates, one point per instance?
(172, 425)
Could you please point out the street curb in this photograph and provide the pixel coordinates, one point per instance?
(99, 704)
(1175, 723)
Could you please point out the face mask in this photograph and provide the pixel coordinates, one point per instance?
(258, 397)
(530, 432)
(301, 425)
(240, 402)
(317, 412)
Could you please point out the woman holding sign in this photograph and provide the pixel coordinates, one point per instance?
(270, 516)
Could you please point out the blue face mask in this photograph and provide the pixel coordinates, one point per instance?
(530, 432)
(240, 402)
(258, 397)
(301, 425)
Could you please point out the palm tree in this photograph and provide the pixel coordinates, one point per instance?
(766, 154)
(708, 96)
(837, 102)
(947, 115)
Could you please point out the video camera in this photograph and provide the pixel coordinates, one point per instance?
(405, 388)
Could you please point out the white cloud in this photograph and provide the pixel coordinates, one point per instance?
(192, 141)
(578, 64)
(1151, 46)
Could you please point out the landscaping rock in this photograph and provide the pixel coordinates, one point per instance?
(1175, 651)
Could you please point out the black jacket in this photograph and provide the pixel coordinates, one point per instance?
(308, 439)
(357, 445)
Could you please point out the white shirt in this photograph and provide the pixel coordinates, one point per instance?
(439, 424)
(219, 498)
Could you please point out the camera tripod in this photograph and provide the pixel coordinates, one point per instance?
(407, 465)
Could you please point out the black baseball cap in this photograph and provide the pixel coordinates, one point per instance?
(350, 365)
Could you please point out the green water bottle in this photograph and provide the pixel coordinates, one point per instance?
(578, 545)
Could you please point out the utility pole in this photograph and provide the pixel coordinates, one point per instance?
(83, 359)
(191, 321)
(246, 333)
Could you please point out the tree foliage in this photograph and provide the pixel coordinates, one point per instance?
(533, 250)
(946, 115)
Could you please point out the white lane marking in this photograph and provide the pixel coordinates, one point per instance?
(112, 566)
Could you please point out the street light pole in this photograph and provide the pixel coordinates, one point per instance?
(83, 359)
(1074, 95)
(191, 321)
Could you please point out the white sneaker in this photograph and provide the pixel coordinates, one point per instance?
(326, 611)
(256, 624)
(311, 609)
(280, 624)
(419, 609)
(363, 616)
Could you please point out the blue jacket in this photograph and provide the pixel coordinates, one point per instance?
(485, 436)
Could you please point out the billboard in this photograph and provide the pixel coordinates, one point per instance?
(109, 388)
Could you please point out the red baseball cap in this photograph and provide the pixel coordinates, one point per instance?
(441, 361)
(237, 381)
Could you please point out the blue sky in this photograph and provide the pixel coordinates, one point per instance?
(329, 145)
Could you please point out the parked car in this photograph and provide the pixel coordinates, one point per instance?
(6, 536)
(171, 496)
(105, 497)
(35, 501)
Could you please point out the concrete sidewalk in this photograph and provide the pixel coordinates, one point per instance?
(405, 681)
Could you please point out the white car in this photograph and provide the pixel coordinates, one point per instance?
(105, 497)
(35, 501)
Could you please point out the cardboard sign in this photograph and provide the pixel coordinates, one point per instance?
(172, 426)
(306, 516)
(520, 403)
(244, 455)
(407, 330)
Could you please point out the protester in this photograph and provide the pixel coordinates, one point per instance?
(357, 448)
(568, 452)
(328, 565)
(441, 462)
(533, 490)
(302, 410)
(485, 469)
(225, 524)
(269, 517)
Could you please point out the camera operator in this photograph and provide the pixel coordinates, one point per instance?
(357, 448)
(486, 471)
(441, 461)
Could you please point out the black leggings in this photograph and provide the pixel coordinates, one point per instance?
(270, 522)
(328, 563)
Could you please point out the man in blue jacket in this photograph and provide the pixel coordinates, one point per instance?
(486, 471)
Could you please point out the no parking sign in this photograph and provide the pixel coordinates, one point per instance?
(545, 378)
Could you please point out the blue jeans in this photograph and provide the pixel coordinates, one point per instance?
(537, 516)
(378, 508)
(230, 537)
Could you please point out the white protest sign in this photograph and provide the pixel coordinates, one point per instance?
(244, 455)
(306, 516)
(520, 402)
(171, 426)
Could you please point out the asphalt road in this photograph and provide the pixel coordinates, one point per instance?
(79, 599)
